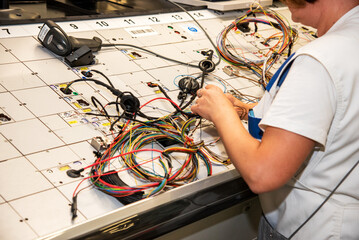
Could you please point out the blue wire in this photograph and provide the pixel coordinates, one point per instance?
(220, 81)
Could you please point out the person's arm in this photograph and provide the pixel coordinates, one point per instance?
(265, 165)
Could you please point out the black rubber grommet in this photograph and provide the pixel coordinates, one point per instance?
(207, 65)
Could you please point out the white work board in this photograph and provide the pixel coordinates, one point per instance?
(44, 132)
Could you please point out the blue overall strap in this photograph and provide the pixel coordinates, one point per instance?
(253, 127)
(283, 76)
(253, 121)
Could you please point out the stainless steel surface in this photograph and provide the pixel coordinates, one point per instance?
(17, 14)
(62, 10)
(134, 210)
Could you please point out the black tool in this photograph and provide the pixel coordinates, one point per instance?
(56, 40)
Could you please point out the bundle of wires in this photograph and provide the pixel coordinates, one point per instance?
(136, 136)
(285, 39)
(133, 139)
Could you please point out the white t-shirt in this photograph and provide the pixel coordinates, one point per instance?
(319, 99)
(305, 103)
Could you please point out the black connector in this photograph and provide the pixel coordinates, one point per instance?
(181, 95)
(243, 27)
(81, 57)
(188, 85)
(82, 103)
(129, 102)
(72, 173)
(74, 207)
(207, 65)
(66, 90)
(4, 118)
(87, 73)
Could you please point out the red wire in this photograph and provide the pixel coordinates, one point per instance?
(73, 195)
(123, 154)
(161, 98)
(131, 152)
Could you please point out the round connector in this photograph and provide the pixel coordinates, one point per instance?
(129, 103)
(207, 65)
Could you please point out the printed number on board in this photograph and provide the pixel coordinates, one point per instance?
(198, 14)
(154, 19)
(177, 17)
(129, 21)
(102, 23)
(6, 30)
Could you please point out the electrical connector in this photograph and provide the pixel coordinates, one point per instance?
(151, 84)
(100, 143)
(230, 71)
(87, 73)
(4, 118)
(80, 57)
(243, 27)
(66, 90)
(74, 207)
(72, 173)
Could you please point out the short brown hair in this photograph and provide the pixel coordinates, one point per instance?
(299, 2)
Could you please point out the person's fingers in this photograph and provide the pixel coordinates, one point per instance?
(231, 98)
(210, 86)
(194, 108)
(199, 92)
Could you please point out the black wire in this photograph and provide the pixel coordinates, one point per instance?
(149, 51)
(114, 91)
(200, 26)
(116, 121)
(97, 71)
(152, 124)
(117, 104)
(170, 59)
(94, 101)
(177, 109)
(118, 93)
(164, 92)
(189, 102)
(202, 78)
(182, 101)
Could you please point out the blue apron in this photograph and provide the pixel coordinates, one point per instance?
(253, 121)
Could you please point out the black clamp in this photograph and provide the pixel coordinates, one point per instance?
(207, 65)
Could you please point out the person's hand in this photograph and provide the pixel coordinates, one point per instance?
(241, 108)
(231, 98)
(212, 103)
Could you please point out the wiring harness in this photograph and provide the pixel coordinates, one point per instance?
(172, 158)
(260, 67)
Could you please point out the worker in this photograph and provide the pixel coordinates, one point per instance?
(302, 149)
